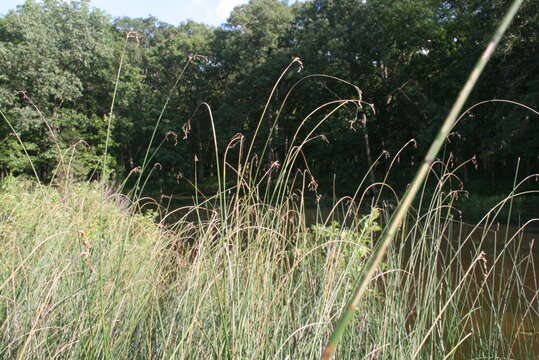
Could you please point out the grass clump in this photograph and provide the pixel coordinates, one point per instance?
(85, 275)
(78, 271)
(242, 275)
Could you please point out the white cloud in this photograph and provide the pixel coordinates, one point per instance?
(201, 11)
(225, 7)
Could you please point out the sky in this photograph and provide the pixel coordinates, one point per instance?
(211, 12)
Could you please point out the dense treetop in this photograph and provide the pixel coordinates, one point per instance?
(60, 61)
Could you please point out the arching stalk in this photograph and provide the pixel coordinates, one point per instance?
(391, 229)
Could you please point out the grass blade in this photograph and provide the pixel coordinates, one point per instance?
(390, 231)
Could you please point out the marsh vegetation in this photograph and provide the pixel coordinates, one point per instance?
(298, 233)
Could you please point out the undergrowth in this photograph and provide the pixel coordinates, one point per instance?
(84, 275)
(243, 274)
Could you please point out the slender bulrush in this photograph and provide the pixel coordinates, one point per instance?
(400, 214)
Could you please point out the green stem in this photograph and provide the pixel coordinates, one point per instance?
(389, 233)
(111, 112)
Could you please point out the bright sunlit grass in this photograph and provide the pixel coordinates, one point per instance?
(83, 275)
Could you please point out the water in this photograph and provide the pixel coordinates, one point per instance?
(506, 279)
(509, 279)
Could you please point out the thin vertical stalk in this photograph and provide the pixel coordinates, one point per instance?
(111, 111)
(147, 157)
(22, 146)
(390, 231)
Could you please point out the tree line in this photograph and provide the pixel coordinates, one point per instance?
(75, 81)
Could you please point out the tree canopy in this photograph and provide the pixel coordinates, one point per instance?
(60, 62)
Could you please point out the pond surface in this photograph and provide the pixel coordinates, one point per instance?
(507, 280)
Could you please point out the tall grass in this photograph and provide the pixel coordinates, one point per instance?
(244, 273)
(403, 207)
(85, 276)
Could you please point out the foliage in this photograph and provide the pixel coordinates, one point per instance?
(241, 273)
(54, 59)
(361, 239)
(85, 275)
(408, 57)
